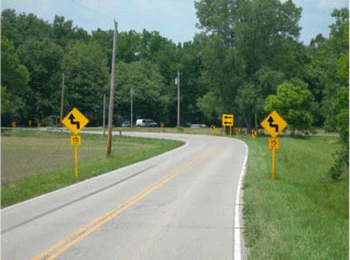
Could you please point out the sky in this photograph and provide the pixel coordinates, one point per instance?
(173, 19)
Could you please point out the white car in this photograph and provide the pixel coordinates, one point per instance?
(146, 123)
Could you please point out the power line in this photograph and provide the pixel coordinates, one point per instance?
(91, 10)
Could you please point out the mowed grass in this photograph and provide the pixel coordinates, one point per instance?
(37, 162)
(302, 214)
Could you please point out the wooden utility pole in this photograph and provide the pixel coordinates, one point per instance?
(131, 106)
(62, 99)
(111, 97)
(104, 114)
(178, 99)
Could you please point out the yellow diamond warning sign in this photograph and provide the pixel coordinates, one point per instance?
(274, 124)
(75, 121)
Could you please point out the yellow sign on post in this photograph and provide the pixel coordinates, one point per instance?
(75, 121)
(274, 143)
(227, 120)
(161, 126)
(274, 124)
(75, 140)
(237, 130)
(254, 133)
(212, 129)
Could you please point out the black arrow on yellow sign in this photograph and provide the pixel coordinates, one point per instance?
(71, 118)
(270, 120)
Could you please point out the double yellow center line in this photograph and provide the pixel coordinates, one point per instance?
(63, 245)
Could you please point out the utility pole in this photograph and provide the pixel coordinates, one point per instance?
(62, 99)
(178, 99)
(104, 114)
(111, 97)
(131, 106)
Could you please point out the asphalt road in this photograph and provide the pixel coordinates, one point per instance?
(183, 204)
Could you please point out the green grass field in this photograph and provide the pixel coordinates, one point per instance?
(37, 162)
(302, 214)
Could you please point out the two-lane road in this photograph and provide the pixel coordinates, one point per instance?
(182, 204)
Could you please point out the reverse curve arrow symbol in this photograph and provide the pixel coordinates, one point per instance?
(270, 120)
(71, 118)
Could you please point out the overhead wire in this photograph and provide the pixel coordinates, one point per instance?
(91, 10)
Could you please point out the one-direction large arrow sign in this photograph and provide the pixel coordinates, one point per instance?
(274, 124)
(75, 121)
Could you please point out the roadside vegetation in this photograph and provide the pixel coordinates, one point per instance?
(37, 162)
(304, 212)
(246, 60)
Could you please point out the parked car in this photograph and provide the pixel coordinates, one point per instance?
(146, 123)
(126, 124)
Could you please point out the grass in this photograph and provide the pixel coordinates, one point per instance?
(302, 214)
(173, 130)
(37, 162)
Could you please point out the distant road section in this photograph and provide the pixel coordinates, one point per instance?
(178, 205)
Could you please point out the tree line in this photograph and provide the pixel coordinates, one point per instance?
(246, 61)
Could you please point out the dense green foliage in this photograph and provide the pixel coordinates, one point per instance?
(294, 104)
(247, 50)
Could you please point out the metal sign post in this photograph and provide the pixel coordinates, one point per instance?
(273, 164)
(274, 124)
(75, 141)
(75, 121)
(274, 144)
(227, 120)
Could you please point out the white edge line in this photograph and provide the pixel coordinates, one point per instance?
(237, 226)
(91, 179)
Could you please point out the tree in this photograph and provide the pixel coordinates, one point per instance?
(222, 71)
(267, 80)
(243, 38)
(85, 68)
(293, 102)
(43, 60)
(150, 100)
(341, 107)
(19, 28)
(192, 87)
(63, 31)
(249, 101)
(257, 28)
(209, 105)
(322, 68)
(14, 75)
(14, 84)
